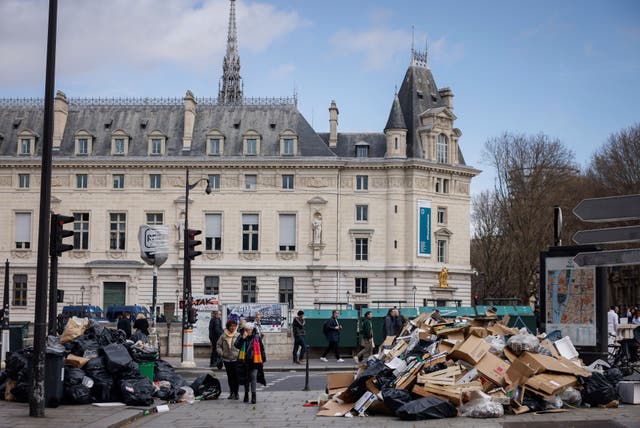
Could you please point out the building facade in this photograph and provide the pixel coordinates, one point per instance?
(295, 216)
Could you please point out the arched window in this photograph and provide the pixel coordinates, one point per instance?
(442, 149)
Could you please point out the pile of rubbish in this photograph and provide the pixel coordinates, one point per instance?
(476, 367)
(101, 365)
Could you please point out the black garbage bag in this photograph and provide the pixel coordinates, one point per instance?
(74, 391)
(420, 349)
(141, 354)
(614, 376)
(102, 379)
(426, 408)
(165, 371)
(137, 391)
(395, 398)
(374, 368)
(435, 368)
(117, 358)
(598, 390)
(82, 344)
(534, 402)
(55, 347)
(18, 364)
(139, 336)
(168, 392)
(206, 386)
(384, 380)
(21, 391)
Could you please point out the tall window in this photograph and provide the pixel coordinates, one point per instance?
(83, 146)
(118, 146)
(362, 285)
(118, 181)
(80, 231)
(287, 182)
(155, 219)
(362, 212)
(250, 181)
(212, 285)
(156, 146)
(438, 185)
(252, 146)
(362, 151)
(19, 290)
(362, 248)
(362, 182)
(213, 232)
(445, 185)
(442, 215)
(250, 232)
(285, 290)
(23, 180)
(82, 181)
(214, 181)
(287, 146)
(287, 232)
(117, 231)
(249, 289)
(155, 181)
(442, 251)
(442, 149)
(25, 146)
(214, 146)
(23, 230)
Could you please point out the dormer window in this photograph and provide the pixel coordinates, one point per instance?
(442, 149)
(288, 143)
(26, 142)
(157, 142)
(215, 143)
(362, 150)
(83, 143)
(25, 146)
(251, 144)
(119, 143)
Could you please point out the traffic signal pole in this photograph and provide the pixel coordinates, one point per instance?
(187, 330)
(56, 248)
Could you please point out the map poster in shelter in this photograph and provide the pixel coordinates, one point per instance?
(571, 300)
(270, 314)
(205, 304)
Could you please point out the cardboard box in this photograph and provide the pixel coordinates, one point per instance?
(478, 331)
(75, 361)
(364, 402)
(471, 350)
(333, 408)
(549, 364)
(546, 343)
(548, 384)
(501, 330)
(493, 368)
(338, 382)
(629, 391)
(511, 356)
(518, 373)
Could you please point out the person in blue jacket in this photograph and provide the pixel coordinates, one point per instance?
(331, 330)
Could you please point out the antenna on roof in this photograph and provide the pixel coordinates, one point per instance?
(412, 41)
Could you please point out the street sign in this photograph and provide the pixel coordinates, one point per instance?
(610, 235)
(153, 244)
(613, 208)
(608, 258)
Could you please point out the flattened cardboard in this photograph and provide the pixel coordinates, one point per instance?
(500, 330)
(455, 332)
(546, 363)
(337, 382)
(333, 408)
(364, 402)
(471, 350)
(478, 331)
(546, 343)
(511, 356)
(493, 368)
(388, 342)
(75, 361)
(518, 373)
(550, 383)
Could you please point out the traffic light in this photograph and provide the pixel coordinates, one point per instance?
(192, 315)
(58, 233)
(475, 300)
(60, 296)
(192, 243)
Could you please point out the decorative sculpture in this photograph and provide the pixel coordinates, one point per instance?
(442, 277)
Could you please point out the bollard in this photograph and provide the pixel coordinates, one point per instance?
(306, 377)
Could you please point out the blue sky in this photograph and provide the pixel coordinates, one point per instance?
(567, 68)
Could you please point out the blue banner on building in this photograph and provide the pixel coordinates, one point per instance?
(424, 228)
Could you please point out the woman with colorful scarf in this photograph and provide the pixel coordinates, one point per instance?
(229, 353)
(251, 358)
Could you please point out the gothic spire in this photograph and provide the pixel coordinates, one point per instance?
(231, 90)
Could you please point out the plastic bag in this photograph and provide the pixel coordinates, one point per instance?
(117, 358)
(81, 344)
(374, 368)
(137, 391)
(102, 379)
(55, 347)
(75, 327)
(521, 342)
(165, 371)
(207, 387)
(597, 390)
(395, 398)
(613, 375)
(187, 395)
(75, 392)
(426, 408)
(496, 343)
(18, 364)
(571, 397)
(553, 402)
(481, 405)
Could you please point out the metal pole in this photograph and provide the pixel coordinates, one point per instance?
(5, 319)
(306, 373)
(557, 225)
(53, 295)
(187, 332)
(36, 390)
(154, 314)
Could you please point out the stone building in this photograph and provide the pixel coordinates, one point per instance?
(295, 215)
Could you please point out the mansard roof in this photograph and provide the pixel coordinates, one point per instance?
(347, 142)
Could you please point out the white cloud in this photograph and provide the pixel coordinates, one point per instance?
(137, 35)
(377, 46)
(282, 71)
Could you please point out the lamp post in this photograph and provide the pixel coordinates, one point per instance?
(415, 290)
(348, 295)
(187, 356)
(82, 298)
(175, 311)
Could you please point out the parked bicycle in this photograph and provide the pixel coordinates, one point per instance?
(624, 354)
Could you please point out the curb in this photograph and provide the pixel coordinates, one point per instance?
(269, 369)
(140, 415)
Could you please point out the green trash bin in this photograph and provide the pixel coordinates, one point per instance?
(315, 319)
(147, 369)
(18, 332)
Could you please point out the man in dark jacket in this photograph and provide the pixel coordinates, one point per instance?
(298, 337)
(215, 331)
(331, 330)
(392, 323)
(124, 324)
(366, 339)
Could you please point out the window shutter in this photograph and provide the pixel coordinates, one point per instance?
(287, 229)
(213, 225)
(249, 218)
(23, 227)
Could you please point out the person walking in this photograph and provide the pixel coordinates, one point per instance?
(257, 321)
(251, 359)
(141, 324)
(331, 329)
(299, 334)
(392, 323)
(215, 332)
(612, 326)
(124, 324)
(366, 340)
(226, 349)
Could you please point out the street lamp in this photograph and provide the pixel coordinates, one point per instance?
(187, 356)
(415, 290)
(348, 294)
(82, 299)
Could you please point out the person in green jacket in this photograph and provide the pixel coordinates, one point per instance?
(366, 340)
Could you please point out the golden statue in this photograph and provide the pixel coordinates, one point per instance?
(442, 277)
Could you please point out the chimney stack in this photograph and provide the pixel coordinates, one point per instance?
(333, 125)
